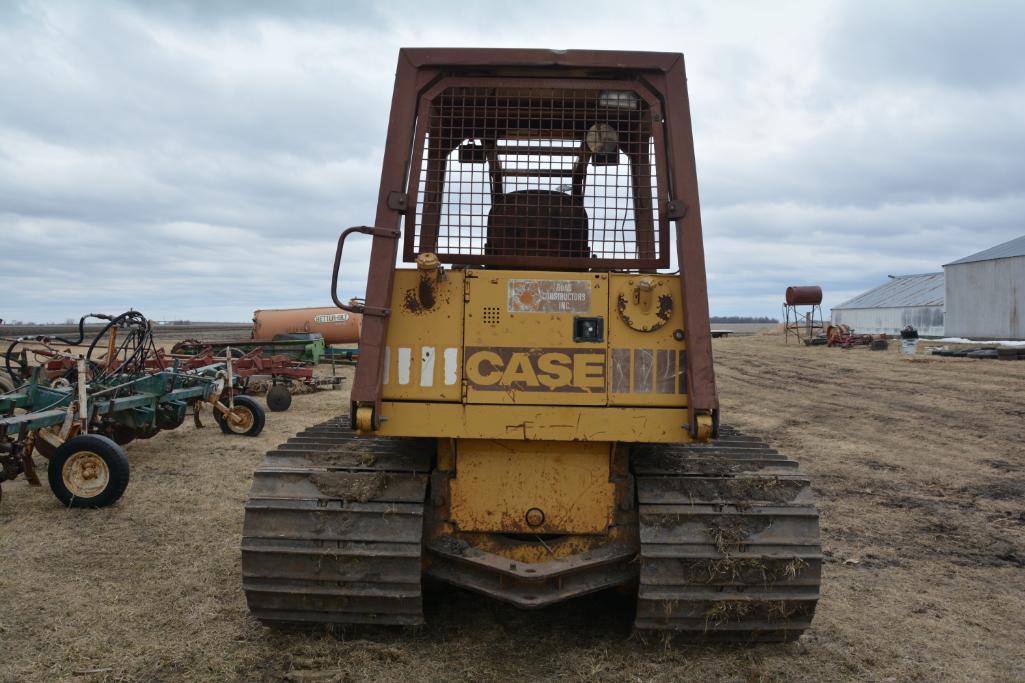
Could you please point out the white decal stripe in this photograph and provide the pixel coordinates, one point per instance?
(405, 364)
(387, 364)
(451, 365)
(427, 366)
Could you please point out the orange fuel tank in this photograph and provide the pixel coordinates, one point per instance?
(336, 326)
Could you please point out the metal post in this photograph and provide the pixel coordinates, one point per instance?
(111, 347)
(231, 382)
(83, 395)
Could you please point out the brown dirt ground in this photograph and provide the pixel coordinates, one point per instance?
(919, 465)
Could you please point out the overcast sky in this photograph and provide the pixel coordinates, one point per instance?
(198, 160)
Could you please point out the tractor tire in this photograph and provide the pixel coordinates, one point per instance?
(253, 418)
(88, 471)
(6, 383)
(279, 398)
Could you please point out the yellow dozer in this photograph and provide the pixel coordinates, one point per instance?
(534, 414)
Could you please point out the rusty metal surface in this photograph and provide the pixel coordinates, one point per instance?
(603, 60)
(690, 246)
(531, 569)
(802, 314)
(337, 327)
(661, 76)
(842, 336)
(366, 387)
(538, 172)
(804, 295)
(644, 303)
(730, 545)
(423, 357)
(549, 296)
(532, 585)
(804, 325)
(535, 422)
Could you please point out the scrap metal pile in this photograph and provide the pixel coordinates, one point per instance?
(77, 402)
(844, 337)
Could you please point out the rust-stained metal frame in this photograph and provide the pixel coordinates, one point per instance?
(652, 240)
(803, 326)
(420, 68)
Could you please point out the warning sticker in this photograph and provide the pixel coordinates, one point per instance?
(549, 296)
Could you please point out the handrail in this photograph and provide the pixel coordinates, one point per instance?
(366, 230)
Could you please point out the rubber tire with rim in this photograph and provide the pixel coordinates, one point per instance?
(259, 417)
(279, 398)
(108, 451)
(224, 399)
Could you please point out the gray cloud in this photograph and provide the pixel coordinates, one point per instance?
(974, 46)
(196, 159)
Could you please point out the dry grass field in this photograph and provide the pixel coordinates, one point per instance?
(919, 465)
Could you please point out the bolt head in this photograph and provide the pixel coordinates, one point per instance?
(535, 517)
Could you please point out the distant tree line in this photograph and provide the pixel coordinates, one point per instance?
(741, 319)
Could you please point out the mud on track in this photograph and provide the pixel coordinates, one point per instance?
(918, 466)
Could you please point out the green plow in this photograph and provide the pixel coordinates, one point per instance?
(81, 424)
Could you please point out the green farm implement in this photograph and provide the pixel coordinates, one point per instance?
(80, 420)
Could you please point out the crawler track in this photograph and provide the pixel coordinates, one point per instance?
(729, 535)
(333, 529)
(729, 541)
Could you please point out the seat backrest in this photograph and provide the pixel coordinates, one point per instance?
(537, 223)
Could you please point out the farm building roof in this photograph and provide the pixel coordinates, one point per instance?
(926, 289)
(1015, 247)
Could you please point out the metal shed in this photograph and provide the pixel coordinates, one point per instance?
(985, 293)
(915, 300)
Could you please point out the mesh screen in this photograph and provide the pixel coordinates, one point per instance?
(537, 176)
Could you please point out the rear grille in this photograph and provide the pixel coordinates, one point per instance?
(522, 174)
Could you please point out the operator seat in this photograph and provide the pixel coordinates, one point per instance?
(537, 223)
